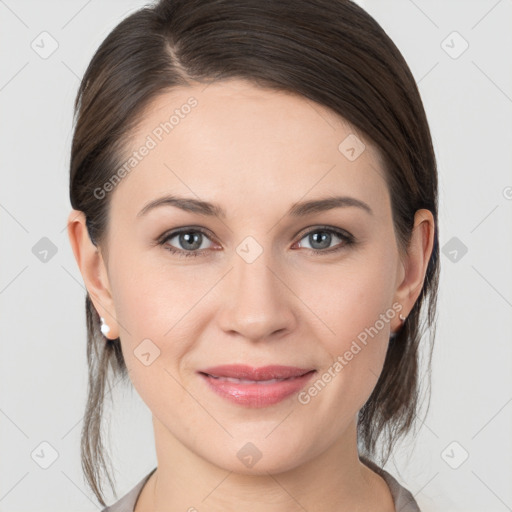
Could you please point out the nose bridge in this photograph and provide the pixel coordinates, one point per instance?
(256, 303)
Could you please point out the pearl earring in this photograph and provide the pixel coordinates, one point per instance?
(402, 317)
(104, 327)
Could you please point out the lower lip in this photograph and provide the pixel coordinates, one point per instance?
(257, 394)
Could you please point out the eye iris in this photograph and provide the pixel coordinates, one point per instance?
(324, 236)
(190, 237)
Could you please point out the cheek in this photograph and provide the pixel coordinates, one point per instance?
(150, 297)
(351, 299)
(354, 306)
(154, 307)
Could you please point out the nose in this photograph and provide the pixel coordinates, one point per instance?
(257, 302)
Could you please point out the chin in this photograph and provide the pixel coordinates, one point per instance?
(258, 456)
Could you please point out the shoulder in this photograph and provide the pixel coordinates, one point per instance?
(127, 502)
(403, 499)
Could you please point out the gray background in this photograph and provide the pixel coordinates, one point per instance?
(468, 99)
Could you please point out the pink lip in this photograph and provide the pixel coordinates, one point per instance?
(262, 393)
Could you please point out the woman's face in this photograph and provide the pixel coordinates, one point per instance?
(252, 290)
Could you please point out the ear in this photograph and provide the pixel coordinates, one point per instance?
(413, 266)
(93, 270)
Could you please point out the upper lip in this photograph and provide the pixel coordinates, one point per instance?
(239, 371)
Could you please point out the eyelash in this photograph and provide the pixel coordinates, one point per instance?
(347, 238)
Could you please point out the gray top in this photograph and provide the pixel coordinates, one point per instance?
(403, 499)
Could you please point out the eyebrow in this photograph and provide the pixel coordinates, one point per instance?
(299, 209)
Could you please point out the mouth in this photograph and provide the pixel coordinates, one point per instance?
(248, 373)
(256, 387)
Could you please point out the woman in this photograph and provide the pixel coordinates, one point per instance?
(254, 195)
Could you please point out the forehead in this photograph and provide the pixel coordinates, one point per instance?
(231, 137)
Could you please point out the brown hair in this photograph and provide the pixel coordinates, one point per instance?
(329, 51)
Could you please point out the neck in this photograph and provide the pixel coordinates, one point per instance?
(334, 480)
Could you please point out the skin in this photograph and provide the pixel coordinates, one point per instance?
(289, 306)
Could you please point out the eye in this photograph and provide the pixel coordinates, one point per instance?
(190, 242)
(320, 240)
